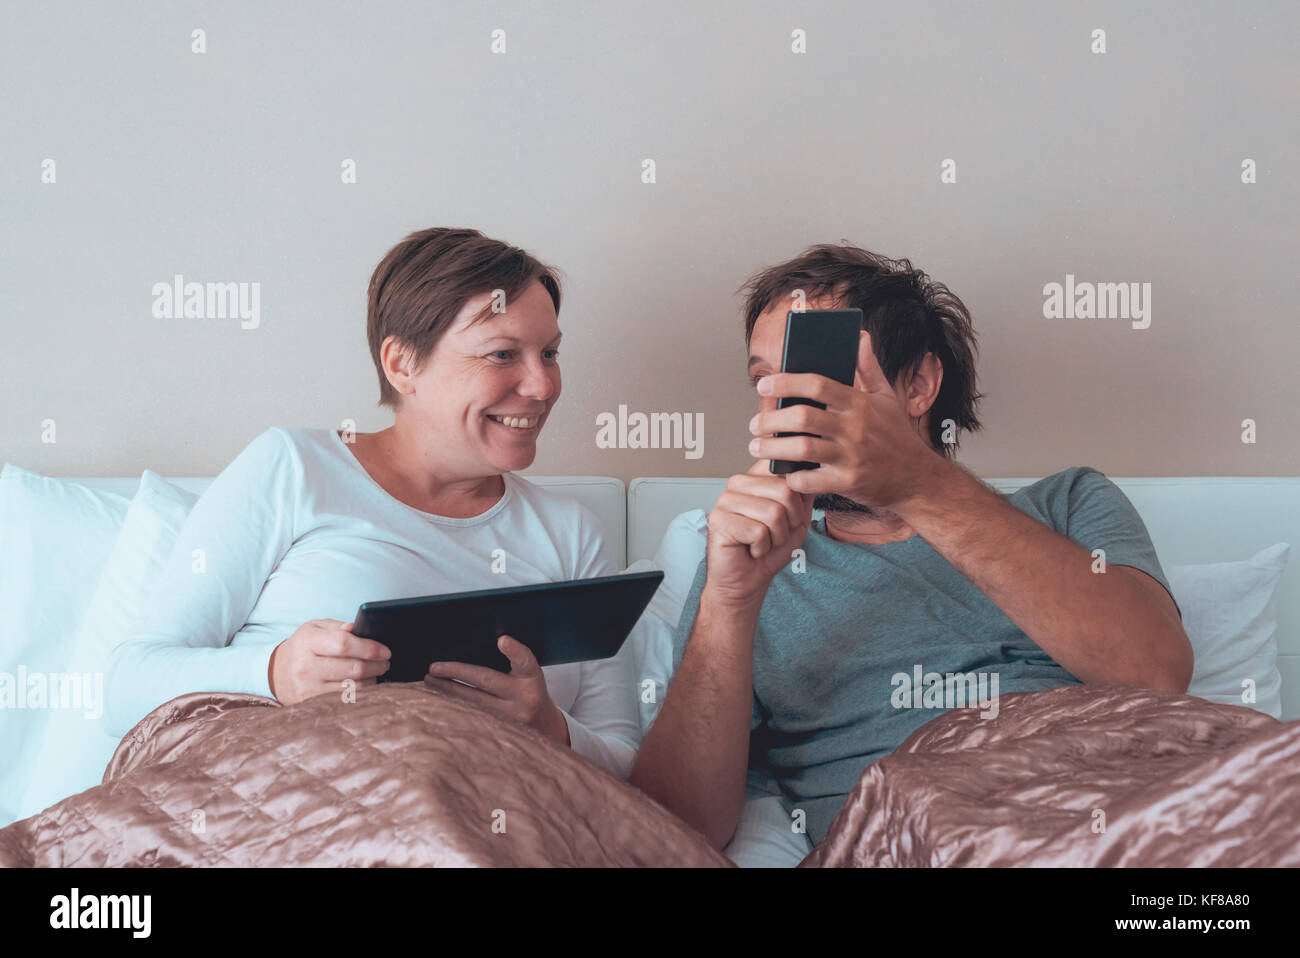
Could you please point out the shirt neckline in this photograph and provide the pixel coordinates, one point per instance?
(819, 526)
(507, 478)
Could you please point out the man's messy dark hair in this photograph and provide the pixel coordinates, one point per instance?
(906, 313)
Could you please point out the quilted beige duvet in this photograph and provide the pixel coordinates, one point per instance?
(1081, 776)
(403, 776)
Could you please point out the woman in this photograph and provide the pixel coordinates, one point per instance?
(306, 524)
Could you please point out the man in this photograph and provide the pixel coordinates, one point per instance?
(918, 567)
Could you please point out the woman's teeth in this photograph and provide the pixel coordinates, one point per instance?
(515, 422)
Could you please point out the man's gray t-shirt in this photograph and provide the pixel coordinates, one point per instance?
(830, 639)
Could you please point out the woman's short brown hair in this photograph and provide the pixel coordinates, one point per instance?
(423, 283)
(907, 314)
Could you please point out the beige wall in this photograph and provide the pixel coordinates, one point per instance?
(225, 167)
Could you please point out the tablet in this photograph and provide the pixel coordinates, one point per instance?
(560, 622)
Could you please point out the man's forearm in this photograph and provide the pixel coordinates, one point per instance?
(1102, 628)
(695, 758)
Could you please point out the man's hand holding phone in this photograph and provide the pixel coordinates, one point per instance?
(863, 440)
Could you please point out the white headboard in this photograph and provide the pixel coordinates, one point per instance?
(1190, 520)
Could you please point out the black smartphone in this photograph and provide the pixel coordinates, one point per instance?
(822, 341)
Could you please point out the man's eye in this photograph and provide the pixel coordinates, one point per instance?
(550, 353)
(502, 354)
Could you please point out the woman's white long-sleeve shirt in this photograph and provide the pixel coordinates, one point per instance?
(295, 529)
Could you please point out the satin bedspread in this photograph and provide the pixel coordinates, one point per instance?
(1080, 776)
(402, 776)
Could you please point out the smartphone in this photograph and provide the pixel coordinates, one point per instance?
(822, 341)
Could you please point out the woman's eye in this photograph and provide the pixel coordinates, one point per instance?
(550, 353)
(502, 354)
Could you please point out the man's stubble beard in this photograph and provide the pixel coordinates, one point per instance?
(834, 502)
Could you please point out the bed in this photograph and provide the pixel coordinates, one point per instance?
(62, 810)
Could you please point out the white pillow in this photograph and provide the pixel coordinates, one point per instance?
(1230, 616)
(643, 649)
(75, 747)
(55, 535)
(651, 641)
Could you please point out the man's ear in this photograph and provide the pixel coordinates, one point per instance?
(923, 387)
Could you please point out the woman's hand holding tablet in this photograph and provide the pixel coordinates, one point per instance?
(318, 656)
(521, 696)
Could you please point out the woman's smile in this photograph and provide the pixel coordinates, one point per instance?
(517, 423)
(520, 425)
